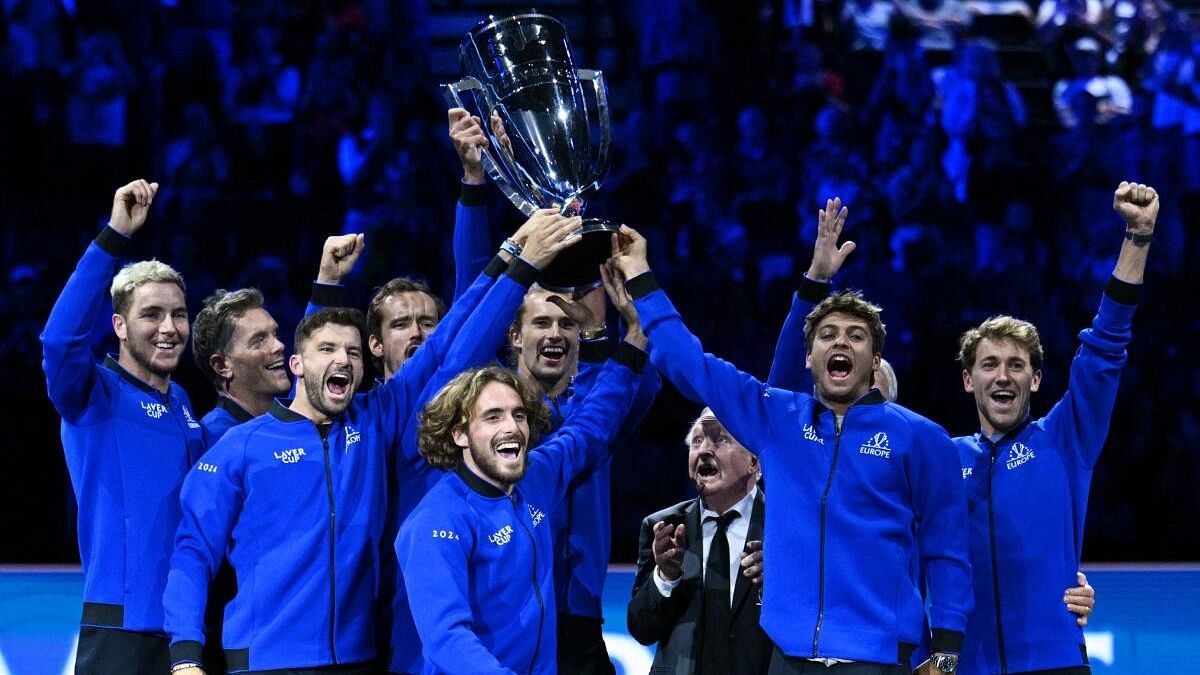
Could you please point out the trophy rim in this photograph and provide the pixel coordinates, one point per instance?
(491, 21)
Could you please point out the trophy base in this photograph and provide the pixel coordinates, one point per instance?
(578, 267)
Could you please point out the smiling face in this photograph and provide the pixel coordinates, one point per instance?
(153, 332)
(407, 319)
(254, 365)
(495, 441)
(842, 359)
(1002, 380)
(722, 469)
(546, 343)
(330, 368)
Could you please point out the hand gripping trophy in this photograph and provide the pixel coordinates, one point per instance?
(523, 80)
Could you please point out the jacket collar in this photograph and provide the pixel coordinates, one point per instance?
(234, 409)
(872, 397)
(115, 366)
(285, 414)
(1007, 436)
(478, 484)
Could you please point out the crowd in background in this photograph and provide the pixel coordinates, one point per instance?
(976, 143)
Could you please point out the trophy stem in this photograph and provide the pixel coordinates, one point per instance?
(579, 266)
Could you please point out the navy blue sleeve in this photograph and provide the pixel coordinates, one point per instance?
(74, 321)
(472, 250)
(788, 369)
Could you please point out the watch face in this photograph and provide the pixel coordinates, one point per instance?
(945, 663)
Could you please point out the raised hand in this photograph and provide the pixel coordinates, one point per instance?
(1137, 204)
(338, 257)
(827, 256)
(131, 204)
(629, 252)
(670, 541)
(614, 286)
(547, 232)
(466, 133)
(585, 309)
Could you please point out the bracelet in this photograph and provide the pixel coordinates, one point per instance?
(183, 666)
(1138, 239)
(594, 334)
(512, 247)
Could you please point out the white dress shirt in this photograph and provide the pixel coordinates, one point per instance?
(735, 533)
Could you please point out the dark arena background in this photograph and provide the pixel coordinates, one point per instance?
(977, 145)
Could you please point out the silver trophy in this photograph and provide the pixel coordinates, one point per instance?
(520, 68)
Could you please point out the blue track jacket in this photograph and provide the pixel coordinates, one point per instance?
(301, 517)
(1028, 496)
(226, 415)
(864, 502)
(127, 446)
(477, 563)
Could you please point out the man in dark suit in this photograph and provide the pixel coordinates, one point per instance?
(700, 562)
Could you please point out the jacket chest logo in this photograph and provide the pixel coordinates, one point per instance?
(876, 446)
(155, 410)
(191, 421)
(352, 436)
(535, 515)
(290, 456)
(1018, 454)
(810, 434)
(501, 536)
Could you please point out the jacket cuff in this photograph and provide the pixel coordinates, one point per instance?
(642, 285)
(328, 295)
(947, 641)
(594, 351)
(495, 267)
(631, 356)
(112, 242)
(813, 291)
(473, 195)
(1123, 291)
(185, 651)
(522, 272)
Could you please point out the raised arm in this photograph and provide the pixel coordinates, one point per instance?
(472, 245)
(74, 321)
(1080, 420)
(788, 369)
(747, 407)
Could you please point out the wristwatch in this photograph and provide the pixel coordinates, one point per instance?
(945, 663)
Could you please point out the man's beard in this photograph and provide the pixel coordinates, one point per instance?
(489, 463)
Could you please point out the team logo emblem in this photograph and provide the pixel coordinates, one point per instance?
(290, 456)
(1018, 454)
(810, 434)
(191, 421)
(501, 536)
(535, 514)
(352, 436)
(877, 446)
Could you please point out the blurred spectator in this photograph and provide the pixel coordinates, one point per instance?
(982, 116)
(939, 21)
(865, 23)
(1113, 98)
(195, 172)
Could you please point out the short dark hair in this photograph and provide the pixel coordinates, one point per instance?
(850, 303)
(397, 285)
(214, 325)
(342, 316)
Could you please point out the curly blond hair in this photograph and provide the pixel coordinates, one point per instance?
(450, 410)
(998, 329)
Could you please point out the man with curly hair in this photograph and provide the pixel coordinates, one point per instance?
(476, 552)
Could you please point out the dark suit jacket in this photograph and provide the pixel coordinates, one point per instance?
(673, 622)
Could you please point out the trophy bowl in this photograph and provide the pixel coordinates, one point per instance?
(521, 77)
